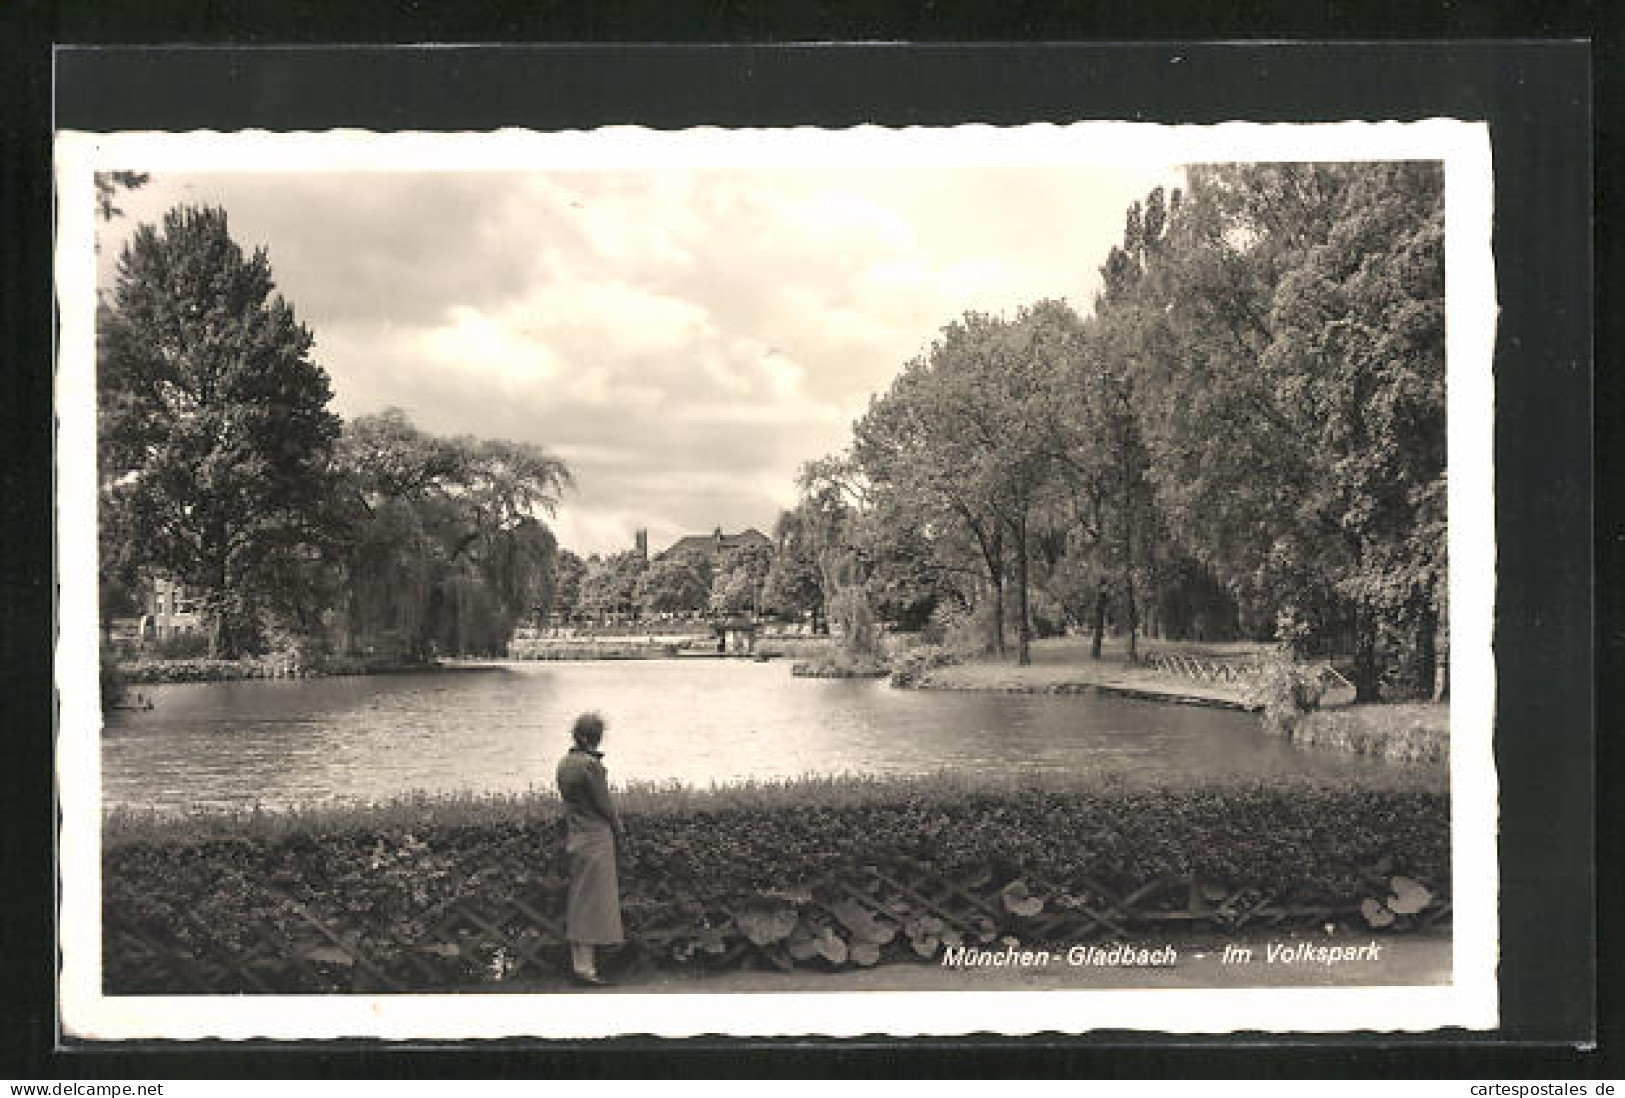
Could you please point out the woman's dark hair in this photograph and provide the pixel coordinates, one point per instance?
(588, 729)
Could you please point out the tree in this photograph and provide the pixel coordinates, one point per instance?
(739, 578)
(1106, 449)
(1291, 336)
(793, 586)
(835, 495)
(1361, 322)
(449, 548)
(672, 585)
(911, 571)
(568, 568)
(971, 431)
(610, 584)
(217, 441)
(108, 184)
(1022, 435)
(118, 568)
(918, 467)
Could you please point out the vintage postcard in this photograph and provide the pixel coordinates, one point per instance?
(776, 582)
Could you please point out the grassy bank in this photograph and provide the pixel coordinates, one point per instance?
(200, 669)
(774, 868)
(1414, 732)
(839, 664)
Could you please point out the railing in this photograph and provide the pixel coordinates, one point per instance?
(1201, 668)
(1241, 673)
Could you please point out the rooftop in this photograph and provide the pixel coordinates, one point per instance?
(717, 541)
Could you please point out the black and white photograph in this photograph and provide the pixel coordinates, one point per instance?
(766, 582)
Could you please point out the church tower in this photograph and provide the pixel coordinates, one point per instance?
(640, 542)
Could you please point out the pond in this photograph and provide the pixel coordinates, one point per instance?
(697, 721)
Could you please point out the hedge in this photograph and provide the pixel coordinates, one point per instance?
(708, 864)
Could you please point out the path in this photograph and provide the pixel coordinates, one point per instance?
(1409, 960)
(1063, 664)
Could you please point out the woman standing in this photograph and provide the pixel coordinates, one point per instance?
(593, 831)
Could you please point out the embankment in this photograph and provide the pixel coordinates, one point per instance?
(146, 671)
(1405, 733)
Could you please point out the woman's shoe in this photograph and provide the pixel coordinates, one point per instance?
(588, 979)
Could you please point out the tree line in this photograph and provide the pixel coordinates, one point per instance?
(630, 586)
(1245, 437)
(221, 466)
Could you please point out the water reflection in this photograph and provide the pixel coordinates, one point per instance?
(696, 721)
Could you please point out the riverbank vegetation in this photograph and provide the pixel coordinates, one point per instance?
(1409, 733)
(657, 800)
(741, 866)
(1243, 439)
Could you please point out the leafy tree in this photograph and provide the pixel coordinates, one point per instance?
(739, 579)
(1292, 338)
(911, 571)
(1107, 453)
(217, 443)
(108, 184)
(609, 585)
(568, 568)
(672, 585)
(449, 548)
(793, 585)
(920, 472)
(1360, 325)
(837, 496)
(972, 431)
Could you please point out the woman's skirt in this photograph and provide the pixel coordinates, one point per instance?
(593, 913)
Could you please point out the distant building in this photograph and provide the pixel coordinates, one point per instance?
(716, 543)
(640, 544)
(170, 612)
(736, 636)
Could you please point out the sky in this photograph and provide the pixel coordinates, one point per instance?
(684, 338)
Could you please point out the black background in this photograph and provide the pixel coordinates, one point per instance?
(1535, 96)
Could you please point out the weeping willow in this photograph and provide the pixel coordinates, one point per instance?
(451, 553)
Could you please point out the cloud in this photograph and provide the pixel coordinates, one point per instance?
(685, 339)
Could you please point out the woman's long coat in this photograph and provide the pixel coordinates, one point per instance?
(593, 912)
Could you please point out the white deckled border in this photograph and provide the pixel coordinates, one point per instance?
(1470, 1001)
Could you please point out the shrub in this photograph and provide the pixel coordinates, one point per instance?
(1284, 689)
(838, 663)
(1399, 733)
(179, 646)
(912, 666)
(860, 631)
(966, 632)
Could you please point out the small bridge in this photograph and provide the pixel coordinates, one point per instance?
(1242, 672)
(1234, 672)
